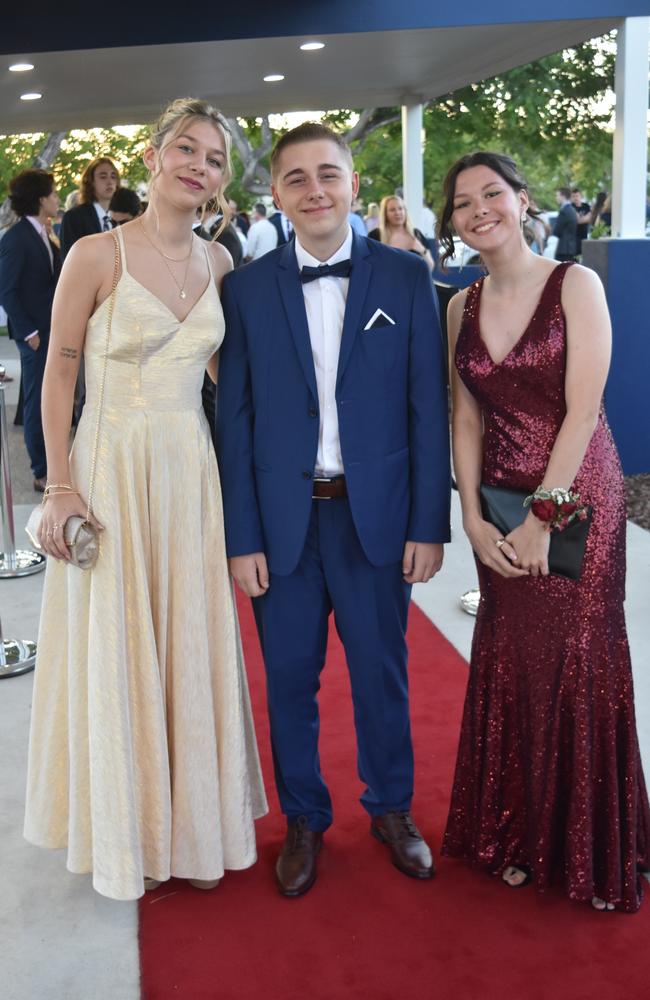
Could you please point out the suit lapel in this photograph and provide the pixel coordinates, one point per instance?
(93, 218)
(294, 305)
(357, 290)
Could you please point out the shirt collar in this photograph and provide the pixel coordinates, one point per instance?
(343, 253)
(37, 224)
(100, 213)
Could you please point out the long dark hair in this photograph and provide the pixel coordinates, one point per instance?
(502, 165)
(86, 188)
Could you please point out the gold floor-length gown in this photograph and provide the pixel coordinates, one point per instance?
(142, 757)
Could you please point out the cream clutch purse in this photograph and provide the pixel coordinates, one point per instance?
(81, 537)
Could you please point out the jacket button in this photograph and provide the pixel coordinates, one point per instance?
(313, 412)
(306, 475)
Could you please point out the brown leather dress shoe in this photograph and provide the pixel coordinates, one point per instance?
(408, 849)
(40, 483)
(296, 867)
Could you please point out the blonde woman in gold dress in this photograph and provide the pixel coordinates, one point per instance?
(142, 760)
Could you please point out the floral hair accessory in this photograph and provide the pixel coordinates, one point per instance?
(556, 507)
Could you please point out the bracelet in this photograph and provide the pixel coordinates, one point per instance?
(556, 507)
(59, 486)
(53, 491)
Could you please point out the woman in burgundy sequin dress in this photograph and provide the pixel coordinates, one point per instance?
(549, 785)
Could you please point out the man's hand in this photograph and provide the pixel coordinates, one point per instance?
(34, 342)
(250, 573)
(421, 561)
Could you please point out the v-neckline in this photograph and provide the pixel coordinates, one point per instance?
(522, 335)
(163, 304)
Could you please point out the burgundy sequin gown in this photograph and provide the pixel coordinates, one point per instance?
(548, 774)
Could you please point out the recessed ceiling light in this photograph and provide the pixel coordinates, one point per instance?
(274, 78)
(312, 46)
(20, 67)
(30, 97)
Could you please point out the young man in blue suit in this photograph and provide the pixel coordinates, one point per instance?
(334, 457)
(29, 270)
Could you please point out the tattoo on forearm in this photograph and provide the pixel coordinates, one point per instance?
(69, 352)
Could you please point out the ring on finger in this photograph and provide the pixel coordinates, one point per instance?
(500, 542)
(58, 525)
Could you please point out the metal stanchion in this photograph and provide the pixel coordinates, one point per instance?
(13, 562)
(17, 656)
(469, 601)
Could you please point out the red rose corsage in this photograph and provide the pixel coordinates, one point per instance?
(556, 507)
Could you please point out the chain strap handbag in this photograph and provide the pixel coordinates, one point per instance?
(80, 535)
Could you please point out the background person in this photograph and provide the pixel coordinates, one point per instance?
(549, 785)
(29, 270)
(99, 182)
(124, 206)
(583, 211)
(262, 236)
(396, 230)
(372, 218)
(142, 757)
(566, 227)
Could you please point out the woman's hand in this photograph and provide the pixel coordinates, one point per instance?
(500, 557)
(57, 509)
(530, 543)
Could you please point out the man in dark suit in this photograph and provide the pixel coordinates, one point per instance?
(29, 269)
(283, 226)
(99, 182)
(583, 211)
(333, 447)
(566, 226)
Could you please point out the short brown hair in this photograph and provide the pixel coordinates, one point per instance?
(27, 188)
(308, 132)
(86, 189)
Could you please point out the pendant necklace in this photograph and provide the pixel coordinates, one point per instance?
(177, 260)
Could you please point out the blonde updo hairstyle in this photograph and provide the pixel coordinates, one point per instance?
(171, 123)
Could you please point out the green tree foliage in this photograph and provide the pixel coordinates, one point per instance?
(552, 116)
(78, 148)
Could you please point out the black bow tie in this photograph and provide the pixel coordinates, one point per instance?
(340, 270)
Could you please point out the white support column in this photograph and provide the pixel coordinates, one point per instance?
(412, 165)
(630, 169)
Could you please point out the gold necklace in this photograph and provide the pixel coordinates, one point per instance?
(165, 258)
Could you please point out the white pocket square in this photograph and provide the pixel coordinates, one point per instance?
(379, 318)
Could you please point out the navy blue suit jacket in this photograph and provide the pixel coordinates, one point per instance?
(391, 401)
(82, 220)
(27, 281)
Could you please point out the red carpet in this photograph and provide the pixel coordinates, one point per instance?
(365, 932)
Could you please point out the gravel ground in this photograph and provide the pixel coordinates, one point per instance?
(638, 499)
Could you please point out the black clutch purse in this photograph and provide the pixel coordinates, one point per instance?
(505, 509)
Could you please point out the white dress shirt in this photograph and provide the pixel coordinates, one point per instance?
(325, 307)
(262, 237)
(102, 213)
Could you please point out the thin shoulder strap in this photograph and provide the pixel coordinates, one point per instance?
(122, 249)
(208, 257)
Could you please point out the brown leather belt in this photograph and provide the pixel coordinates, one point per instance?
(329, 489)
